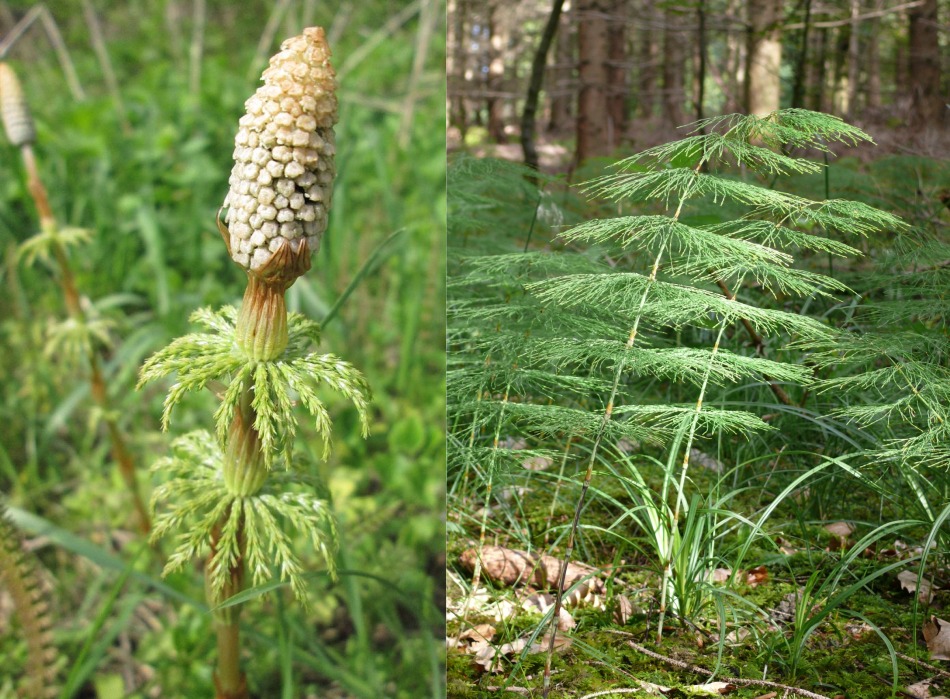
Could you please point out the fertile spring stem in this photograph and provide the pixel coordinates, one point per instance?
(277, 212)
(224, 498)
(18, 125)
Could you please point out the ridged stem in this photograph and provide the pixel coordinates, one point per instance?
(67, 280)
(244, 470)
(229, 680)
(18, 576)
(261, 332)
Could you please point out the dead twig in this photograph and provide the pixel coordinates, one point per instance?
(926, 666)
(707, 673)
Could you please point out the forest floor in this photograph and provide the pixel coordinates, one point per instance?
(614, 644)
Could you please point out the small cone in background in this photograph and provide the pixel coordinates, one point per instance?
(282, 180)
(14, 111)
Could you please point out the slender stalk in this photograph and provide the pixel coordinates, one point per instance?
(759, 344)
(557, 488)
(569, 551)
(471, 438)
(621, 367)
(67, 281)
(674, 525)
(262, 326)
(229, 680)
(477, 573)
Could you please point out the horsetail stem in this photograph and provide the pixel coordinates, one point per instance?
(18, 125)
(280, 191)
(221, 499)
(18, 576)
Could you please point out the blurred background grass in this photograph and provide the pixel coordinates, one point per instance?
(145, 166)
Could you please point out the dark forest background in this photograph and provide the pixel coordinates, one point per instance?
(628, 71)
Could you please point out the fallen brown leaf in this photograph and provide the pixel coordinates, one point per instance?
(479, 632)
(506, 566)
(937, 635)
(920, 690)
(623, 610)
(924, 588)
(485, 658)
(490, 658)
(757, 576)
(499, 564)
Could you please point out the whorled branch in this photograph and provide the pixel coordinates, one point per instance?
(208, 518)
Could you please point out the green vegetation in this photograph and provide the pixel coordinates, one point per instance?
(143, 172)
(682, 384)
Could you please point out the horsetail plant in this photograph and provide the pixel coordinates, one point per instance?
(83, 335)
(231, 494)
(676, 262)
(754, 248)
(659, 294)
(18, 576)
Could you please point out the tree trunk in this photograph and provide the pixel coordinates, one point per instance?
(648, 58)
(674, 63)
(924, 64)
(764, 57)
(701, 58)
(455, 64)
(798, 90)
(617, 87)
(735, 66)
(874, 62)
(816, 73)
(562, 74)
(529, 115)
(854, 57)
(592, 71)
(839, 97)
(497, 27)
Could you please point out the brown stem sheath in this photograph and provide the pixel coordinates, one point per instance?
(262, 322)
